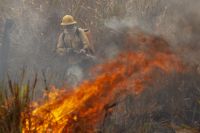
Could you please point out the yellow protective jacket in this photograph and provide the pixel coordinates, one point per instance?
(76, 40)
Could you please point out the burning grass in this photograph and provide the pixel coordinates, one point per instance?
(84, 107)
(137, 88)
(146, 88)
(14, 98)
(170, 105)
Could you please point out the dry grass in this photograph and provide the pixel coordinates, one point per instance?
(170, 105)
(15, 97)
(181, 101)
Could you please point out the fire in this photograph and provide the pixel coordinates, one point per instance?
(82, 108)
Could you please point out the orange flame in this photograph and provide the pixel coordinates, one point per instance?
(81, 109)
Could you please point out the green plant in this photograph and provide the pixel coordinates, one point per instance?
(15, 97)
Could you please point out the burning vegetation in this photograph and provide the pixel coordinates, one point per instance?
(84, 108)
(142, 83)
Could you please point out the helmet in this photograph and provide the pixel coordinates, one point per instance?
(68, 20)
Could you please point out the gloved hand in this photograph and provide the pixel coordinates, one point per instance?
(83, 51)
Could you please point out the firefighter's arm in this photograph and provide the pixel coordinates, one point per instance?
(60, 47)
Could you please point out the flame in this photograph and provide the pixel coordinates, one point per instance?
(82, 108)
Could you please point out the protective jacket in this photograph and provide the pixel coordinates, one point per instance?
(75, 39)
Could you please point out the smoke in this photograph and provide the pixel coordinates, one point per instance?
(32, 41)
(180, 28)
(177, 21)
(27, 37)
(117, 24)
(36, 29)
(76, 73)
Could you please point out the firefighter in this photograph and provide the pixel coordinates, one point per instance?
(73, 38)
(74, 43)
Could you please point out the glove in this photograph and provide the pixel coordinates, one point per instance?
(83, 51)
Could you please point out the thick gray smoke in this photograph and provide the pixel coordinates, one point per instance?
(27, 39)
(31, 41)
(177, 21)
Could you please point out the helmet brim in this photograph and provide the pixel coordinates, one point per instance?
(65, 24)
